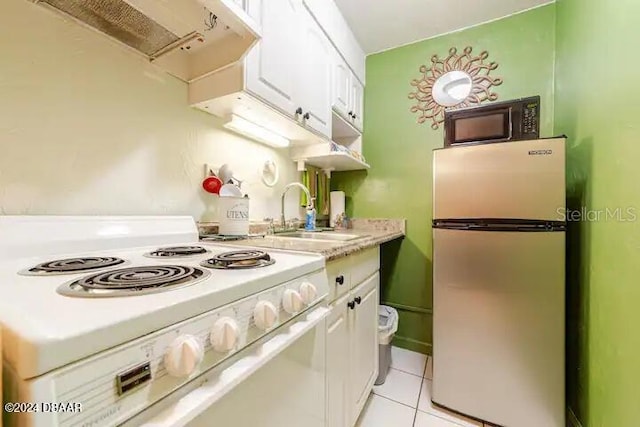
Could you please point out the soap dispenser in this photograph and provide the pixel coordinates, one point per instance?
(310, 218)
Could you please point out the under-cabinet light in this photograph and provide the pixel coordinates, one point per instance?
(256, 132)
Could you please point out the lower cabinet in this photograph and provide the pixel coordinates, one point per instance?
(363, 335)
(352, 345)
(338, 367)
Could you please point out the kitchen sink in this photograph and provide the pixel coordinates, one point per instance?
(339, 237)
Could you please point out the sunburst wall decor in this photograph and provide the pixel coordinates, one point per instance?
(454, 82)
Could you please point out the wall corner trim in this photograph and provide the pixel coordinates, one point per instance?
(572, 420)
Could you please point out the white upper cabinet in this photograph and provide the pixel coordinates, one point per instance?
(335, 26)
(357, 103)
(341, 87)
(290, 68)
(347, 93)
(291, 79)
(272, 65)
(314, 75)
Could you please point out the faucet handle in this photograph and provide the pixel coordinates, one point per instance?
(271, 229)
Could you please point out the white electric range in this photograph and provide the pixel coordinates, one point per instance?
(133, 320)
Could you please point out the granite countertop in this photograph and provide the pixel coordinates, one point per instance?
(373, 232)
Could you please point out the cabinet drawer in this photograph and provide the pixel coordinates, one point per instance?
(364, 264)
(339, 276)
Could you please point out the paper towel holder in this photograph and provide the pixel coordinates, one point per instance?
(334, 213)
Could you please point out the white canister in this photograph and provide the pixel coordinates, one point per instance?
(234, 216)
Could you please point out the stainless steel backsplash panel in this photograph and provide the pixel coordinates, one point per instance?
(119, 20)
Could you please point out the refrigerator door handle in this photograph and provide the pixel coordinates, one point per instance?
(493, 224)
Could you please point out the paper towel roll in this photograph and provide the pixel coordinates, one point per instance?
(337, 206)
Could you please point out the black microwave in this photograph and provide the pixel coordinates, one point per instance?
(514, 120)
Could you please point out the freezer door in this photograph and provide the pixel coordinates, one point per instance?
(521, 179)
(499, 314)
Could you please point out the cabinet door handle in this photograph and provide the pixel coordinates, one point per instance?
(355, 116)
(351, 305)
(358, 300)
(298, 110)
(340, 280)
(306, 116)
(350, 113)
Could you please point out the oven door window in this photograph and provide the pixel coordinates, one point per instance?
(487, 127)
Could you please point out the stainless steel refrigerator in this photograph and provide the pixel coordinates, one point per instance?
(499, 281)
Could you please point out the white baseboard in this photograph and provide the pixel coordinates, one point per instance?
(572, 420)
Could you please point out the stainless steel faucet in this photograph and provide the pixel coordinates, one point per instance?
(284, 192)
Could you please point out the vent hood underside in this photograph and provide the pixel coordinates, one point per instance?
(188, 38)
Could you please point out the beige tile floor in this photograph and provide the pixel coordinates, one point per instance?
(404, 399)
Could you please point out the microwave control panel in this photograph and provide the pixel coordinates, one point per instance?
(531, 118)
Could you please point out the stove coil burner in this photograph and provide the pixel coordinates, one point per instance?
(134, 281)
(239, 260)
(72, 265)
(177, 252)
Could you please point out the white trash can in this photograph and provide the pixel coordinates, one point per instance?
(387, 327)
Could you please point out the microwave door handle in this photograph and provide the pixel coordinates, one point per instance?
(510, 124)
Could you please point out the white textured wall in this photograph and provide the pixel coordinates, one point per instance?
(89, 127)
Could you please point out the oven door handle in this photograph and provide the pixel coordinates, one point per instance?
(218, 385)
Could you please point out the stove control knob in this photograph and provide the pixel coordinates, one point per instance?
(308, 292)
(183, 356)
(224, 335)
(265, 315)
(292, 301)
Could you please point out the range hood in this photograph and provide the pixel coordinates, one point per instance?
(188, 38)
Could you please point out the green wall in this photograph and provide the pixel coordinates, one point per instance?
(597, 106)
(399, 150)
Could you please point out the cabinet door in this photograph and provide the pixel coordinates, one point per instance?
(341, 86)
(271, 66)
(339, 275)
(338, 365)
(357, 102)
(314, 78)
(363, 328)
(242, 4)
